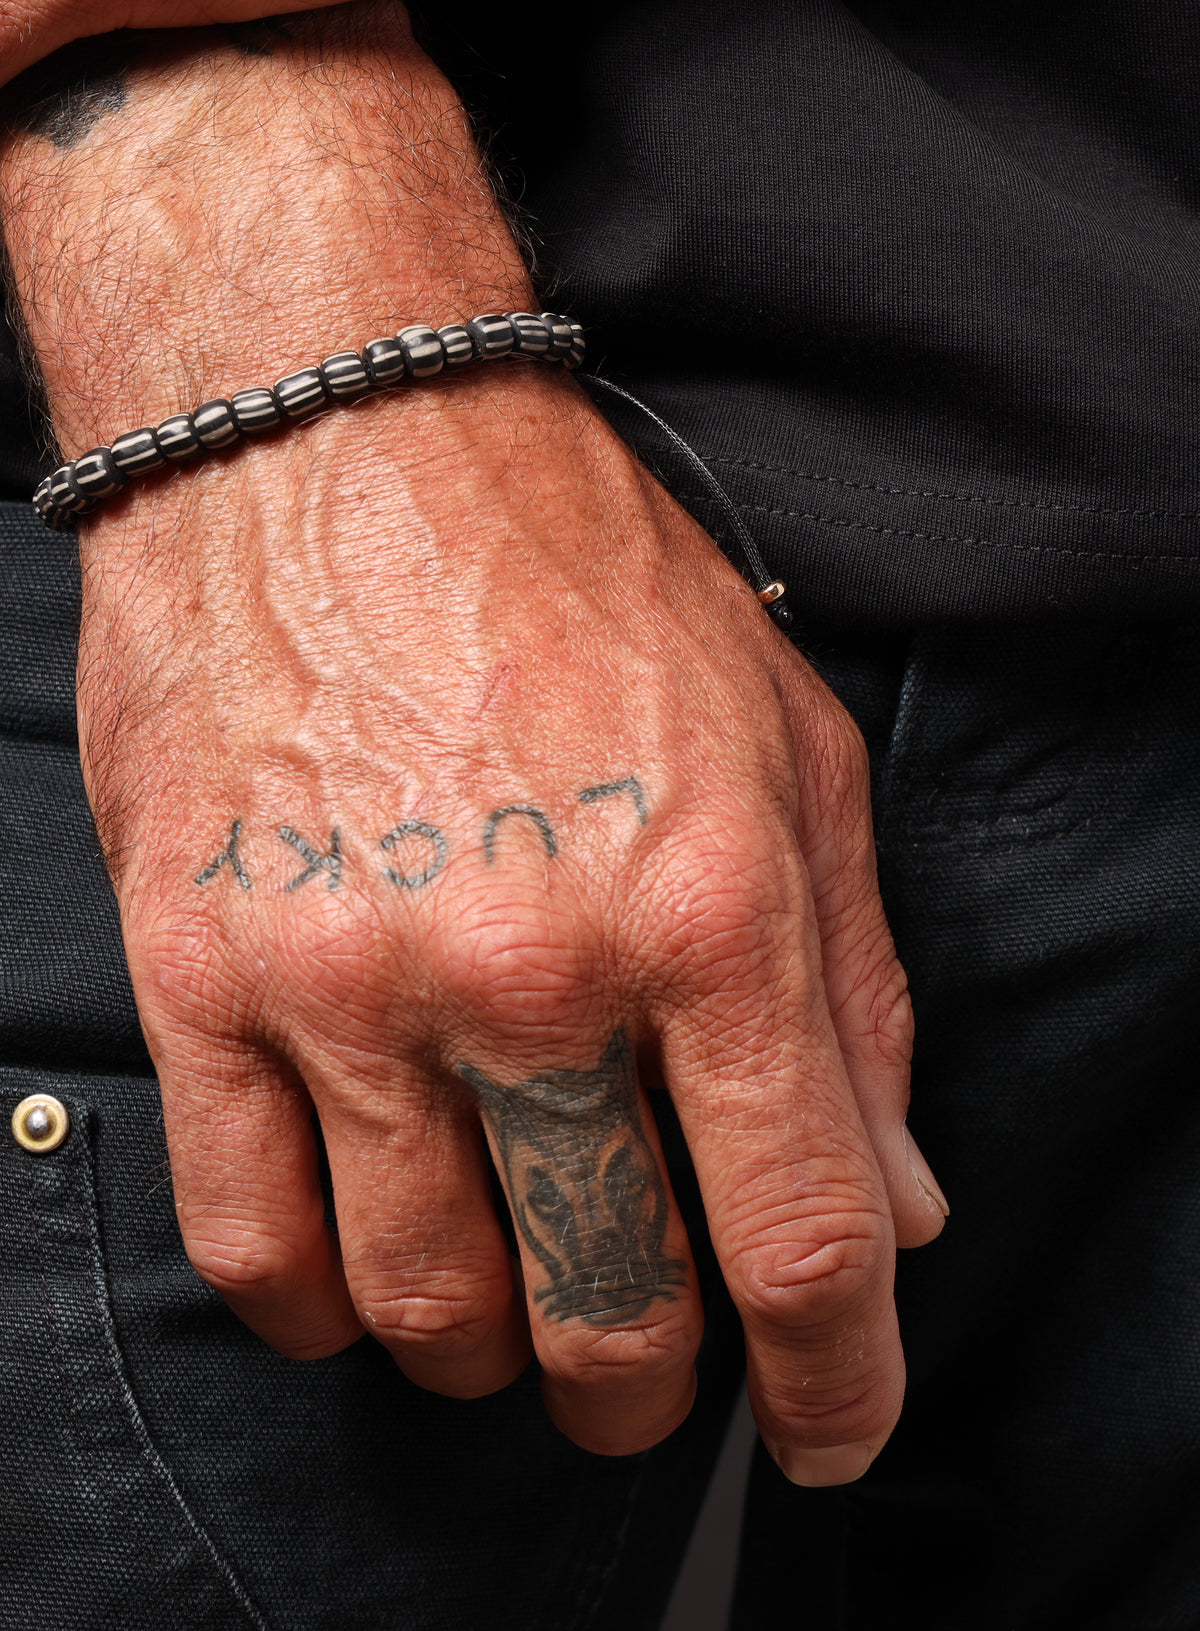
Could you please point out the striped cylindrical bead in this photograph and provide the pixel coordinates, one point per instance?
(42, 502)
(136, 452)
(532, 338)
(215, 424)
(578, 346)
(559, 330)
(62, 520)
(302, 392)
(176, 437)
(345, 375)
(255, 409)
(491, 335)
(95, 475)
(456, 345)
(423, 354)
(385, 361)
(63, 496)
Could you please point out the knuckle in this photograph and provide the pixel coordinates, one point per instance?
(516, 962)
(331, 952)
(818, 1285)
(600, 1360)
(839, 767)
(243, 1267)
(826, 1403)
(184, 967)
(720, 894)
(448, 1325)
(890, 1024)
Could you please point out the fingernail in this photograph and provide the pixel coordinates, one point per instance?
(837, 1464)
(923, 1173)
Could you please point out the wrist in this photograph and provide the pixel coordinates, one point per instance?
(239, 217)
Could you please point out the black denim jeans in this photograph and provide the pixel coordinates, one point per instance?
(1038, 805)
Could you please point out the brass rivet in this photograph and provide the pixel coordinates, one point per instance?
(40, 1123)
(773, 592)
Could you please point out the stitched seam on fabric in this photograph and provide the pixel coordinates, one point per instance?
(959, 498)
(140, 1431)
(82, 1431)
(1129, 556)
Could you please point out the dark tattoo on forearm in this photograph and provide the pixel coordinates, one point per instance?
(585, 1187)
(536, 816)
(316, 862)
(627, 784)
(229, 857)
(66, 116)
(416, 829)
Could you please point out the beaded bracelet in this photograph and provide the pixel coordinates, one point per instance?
(416, 353)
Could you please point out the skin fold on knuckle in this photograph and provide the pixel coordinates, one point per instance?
(449, 1318)
(815, 1284)
(244, 1263)
(870, 999)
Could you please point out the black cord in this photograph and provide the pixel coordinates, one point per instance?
(757, 572)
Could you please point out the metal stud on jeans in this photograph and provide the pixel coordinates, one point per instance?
(40, 1123)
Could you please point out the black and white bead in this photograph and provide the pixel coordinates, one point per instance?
(345, 375)
(578, 347)
(491, 335)
(215, 425)
(417, 352)
(95, 475)
(423, 354)
(302, 392)
(136, 452)
(176, 437)
(531, 337)
(255, 409)
(63, 496)
(384, 361)
(456, 345)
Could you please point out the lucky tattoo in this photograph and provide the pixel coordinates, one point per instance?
(584, 1185)
(230, 856)
(317, 863)
(419, 850)
(627, 784)
(549, 842)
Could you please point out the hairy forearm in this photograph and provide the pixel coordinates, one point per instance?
(210, 208)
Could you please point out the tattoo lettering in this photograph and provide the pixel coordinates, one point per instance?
(627, 784)
(416, 829)
(331, 863)
(536, 816)
(316, 863)
(585, 1187)
(229, 857)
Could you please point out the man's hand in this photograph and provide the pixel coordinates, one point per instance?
(448, 774)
